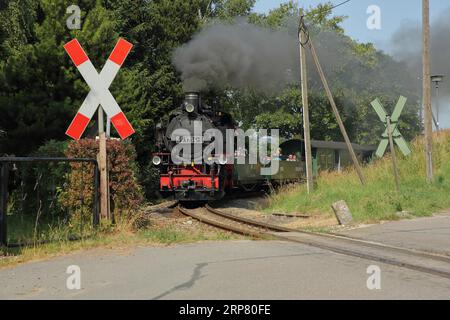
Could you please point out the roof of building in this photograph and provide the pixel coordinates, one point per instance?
(327, 145)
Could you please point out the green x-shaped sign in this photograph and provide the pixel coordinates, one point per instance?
(397, 136)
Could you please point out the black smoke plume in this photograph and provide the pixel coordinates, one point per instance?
(239, 55)
(244, 56)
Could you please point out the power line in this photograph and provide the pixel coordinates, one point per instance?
(302, 25)
(338, 5)
(334, 7)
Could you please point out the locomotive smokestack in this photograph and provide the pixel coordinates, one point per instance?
(192, 99)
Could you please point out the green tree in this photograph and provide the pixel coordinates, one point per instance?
(41, 90)
(224, 9)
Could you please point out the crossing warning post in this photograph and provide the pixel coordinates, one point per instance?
(100, 94)
(393, 155)
(102, 160)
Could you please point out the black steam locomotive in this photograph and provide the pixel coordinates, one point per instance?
(193, 179)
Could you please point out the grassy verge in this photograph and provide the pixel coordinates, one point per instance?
(378, 200)
(122, 236)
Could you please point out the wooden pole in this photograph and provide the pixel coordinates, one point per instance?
(103, 167)
(427, 90)
(108, 127)
(393, 155)
(336, 114)
(305, 103)
(101, 121)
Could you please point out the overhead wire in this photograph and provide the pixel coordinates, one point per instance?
(338, 5)
(304, 28)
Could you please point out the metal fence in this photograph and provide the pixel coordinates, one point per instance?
(47, 199)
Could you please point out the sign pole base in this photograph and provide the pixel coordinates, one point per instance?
(104, 184)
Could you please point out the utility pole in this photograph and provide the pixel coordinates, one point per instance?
(427, 89)
(336, 114)
(305, 103)
(103, 167)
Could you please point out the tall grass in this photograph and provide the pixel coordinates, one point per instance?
(34, 229)
(378, 200)
(125, 233)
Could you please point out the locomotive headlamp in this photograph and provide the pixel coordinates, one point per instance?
(192, 102)
(190, 107)
(156, 160)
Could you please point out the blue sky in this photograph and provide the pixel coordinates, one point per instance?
(393, 14)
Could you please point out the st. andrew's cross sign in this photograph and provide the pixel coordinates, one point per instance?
(99, 84)
(396, 135)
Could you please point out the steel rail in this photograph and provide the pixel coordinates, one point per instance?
(223, 226)
(371, 257)
(371, 244)
(263, 225)
(282, 233)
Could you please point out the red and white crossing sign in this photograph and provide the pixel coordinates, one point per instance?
(99, 84)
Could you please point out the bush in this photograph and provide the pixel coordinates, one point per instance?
(52, 148)
(149, 180)
(32, 183)
(126, 193)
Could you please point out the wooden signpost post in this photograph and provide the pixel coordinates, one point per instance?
(102, 159)
(393, 155)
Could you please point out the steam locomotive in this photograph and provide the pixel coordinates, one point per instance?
(194, 179)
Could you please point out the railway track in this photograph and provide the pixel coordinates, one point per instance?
(425, 262)
(208, 217)
(162, 206)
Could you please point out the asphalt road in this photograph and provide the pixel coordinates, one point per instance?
(426, 234)
(219, 270)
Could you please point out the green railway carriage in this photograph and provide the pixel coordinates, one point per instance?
(328, 155)
(249, 175)
(292, 168)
